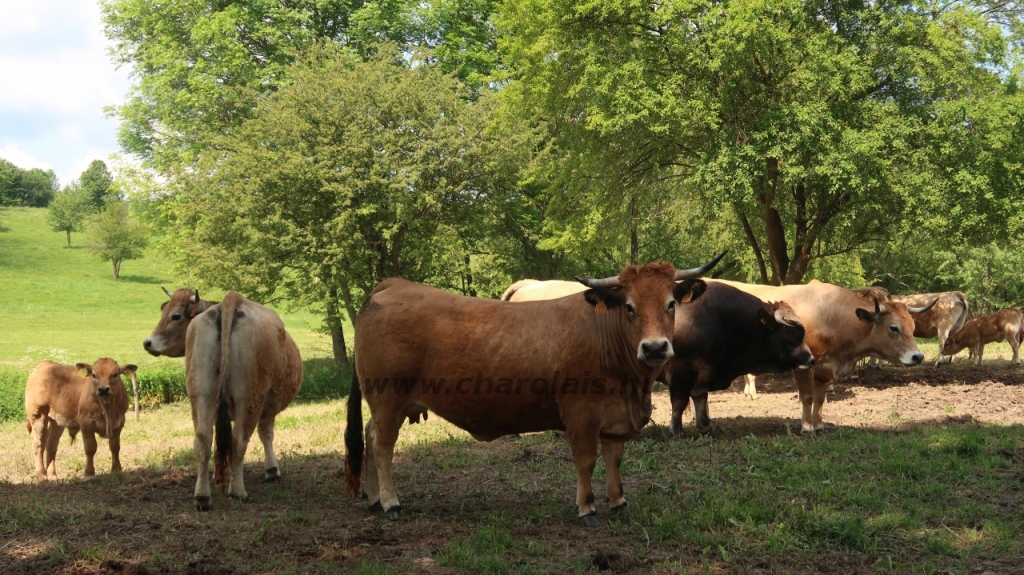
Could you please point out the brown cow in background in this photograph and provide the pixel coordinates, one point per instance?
(81, 397)
(168, 337)
(1007, 324)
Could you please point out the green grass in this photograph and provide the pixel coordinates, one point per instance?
(64, 305)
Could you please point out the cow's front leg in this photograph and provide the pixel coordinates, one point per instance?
(805, 387)
(980, 349)
(583, 444)
(89, 439)
(750, 388)
(820, 392)
(679, 394)
(203, 414)
(612, 453)
(115, 450)
(385, 434)
(266, 431)
(53, 435)
(700, 412)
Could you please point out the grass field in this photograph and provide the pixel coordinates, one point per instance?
(920, 471)
(64, 305)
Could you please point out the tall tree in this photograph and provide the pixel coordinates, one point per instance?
(815, 122)
(70, 210)
(355, 172)
(97, 182)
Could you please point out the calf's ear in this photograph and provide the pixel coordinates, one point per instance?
(129, 369)
(604, 299)
(865, 315)
(689, 290)
(84, 369)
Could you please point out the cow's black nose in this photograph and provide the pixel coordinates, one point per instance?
(104, 390)
(655, 349)
(917, 358)
(147, 344)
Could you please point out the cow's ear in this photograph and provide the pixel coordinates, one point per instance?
(689, 290)
(767, 319)
(84, 369)
(129, 369)
(865, 315)
(604, 299)
(163, 305)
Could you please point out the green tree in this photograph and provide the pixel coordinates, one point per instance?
(116, 237)
(70, 210)
(8, 177)
(34, 188)
(821, 127)
(97, 182)
(356, 172)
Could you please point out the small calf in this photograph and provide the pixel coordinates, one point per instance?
(81, 397)
(1007, 324)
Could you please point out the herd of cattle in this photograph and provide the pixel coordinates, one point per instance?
(576, 357)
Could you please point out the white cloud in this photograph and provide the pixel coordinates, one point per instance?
(24, 160)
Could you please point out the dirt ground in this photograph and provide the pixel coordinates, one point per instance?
(142, 521)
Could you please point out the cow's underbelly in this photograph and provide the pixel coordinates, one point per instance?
(489, 419)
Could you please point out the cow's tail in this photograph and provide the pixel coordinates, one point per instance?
(222, 454)
(354, 445)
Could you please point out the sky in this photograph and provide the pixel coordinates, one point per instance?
(55, 79)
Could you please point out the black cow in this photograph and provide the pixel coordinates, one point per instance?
(728, 333)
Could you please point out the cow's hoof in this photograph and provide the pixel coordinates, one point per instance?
(203, 503)
(376, 507)
(273, 474)
(89, 480)
(806, 432)
(621, 510)
(394, 513)
(590, 520)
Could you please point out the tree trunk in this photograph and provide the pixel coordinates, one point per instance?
(470, 290)
(754, 245)
(777, 251)
(337, 333)
(69, 237)
(117, 268)
(346, 294)
(634, 239)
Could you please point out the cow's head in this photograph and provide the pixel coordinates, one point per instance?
(168, 337)
(953, 344)
(892, 331)
(785, 337)
(103, 379)
(642, 300)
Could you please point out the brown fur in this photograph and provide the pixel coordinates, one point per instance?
(419, 333)
(947, 316)
(68, 396)
(176, 314)
(242, 366)
(838, 336)
(1006, 324)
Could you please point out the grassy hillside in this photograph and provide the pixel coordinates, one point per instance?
(64, 304)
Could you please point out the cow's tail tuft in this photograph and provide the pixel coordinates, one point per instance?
(354, 445)
(222, 430)
(72, 433)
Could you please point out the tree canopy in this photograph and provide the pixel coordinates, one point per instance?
(70, 210)
(97, 181)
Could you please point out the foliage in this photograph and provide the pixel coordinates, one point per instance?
(18, 187)
(202, 65)
(823, 127)
(12, 394)
(356, 172)
(116, 237)
(97, 182)
(70, 210)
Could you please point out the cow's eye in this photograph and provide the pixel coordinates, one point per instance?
(894, 329)
(176, 317)
(630, 309)
(671, 305)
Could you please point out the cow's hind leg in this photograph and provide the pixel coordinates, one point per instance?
(612, 453)
(750, 387)
(384, 435)
(39, 436)
(679, 394)
(1011, 338)
(266, 431)
(245, 423)
(203, 414)
(700, 413)
(805, 386)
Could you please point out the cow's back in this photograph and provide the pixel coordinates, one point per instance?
(56, 389)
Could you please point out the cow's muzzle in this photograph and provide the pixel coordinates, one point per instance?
(104, 391)
(655, 352)
(147, 344)
(805, 361)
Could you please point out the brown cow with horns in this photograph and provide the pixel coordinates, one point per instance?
(584, 364)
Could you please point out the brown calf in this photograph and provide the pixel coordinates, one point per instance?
(81, 397)
(1007, 324)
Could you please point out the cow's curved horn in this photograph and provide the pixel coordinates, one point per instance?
(195, 296)
(697, 272)
(613, 281)
(922, 309)
(781, 318)
(165, 291)
(878, 310)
